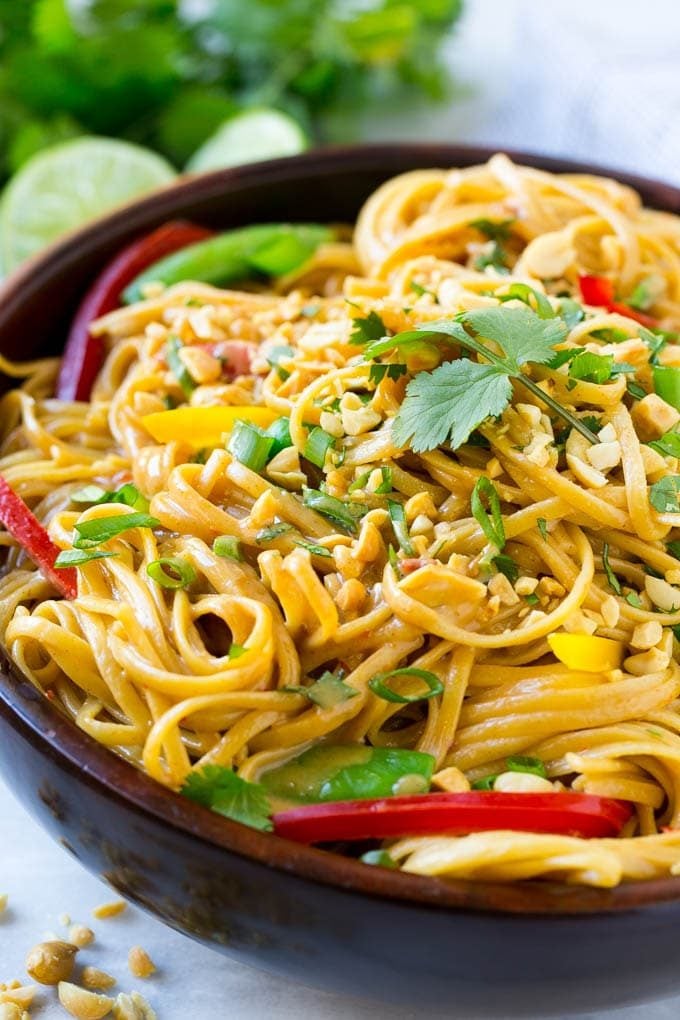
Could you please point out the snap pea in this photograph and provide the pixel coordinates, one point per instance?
(350, 772)
(271, 248)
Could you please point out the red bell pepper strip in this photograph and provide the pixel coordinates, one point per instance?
(568, 814)
(84, 354)
(599, 291)
(25, 527)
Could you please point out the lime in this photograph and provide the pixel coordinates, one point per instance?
(249, 137)
(65, 186)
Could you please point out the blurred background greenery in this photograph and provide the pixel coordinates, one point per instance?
(168, 73)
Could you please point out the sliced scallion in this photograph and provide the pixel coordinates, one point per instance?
(317, 446)
(398, 518)
(279, 431)
(344, 514)
(228, 547)
(250, 445)
(273, 532)
(378, 684)
(313, 548)
(101, 529)
(491, 524)
(525, 763)
(171, 572)
(177, 366)
(77, 557)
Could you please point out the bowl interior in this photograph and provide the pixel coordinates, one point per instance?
(36, 304)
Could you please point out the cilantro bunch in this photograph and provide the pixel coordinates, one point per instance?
(167, 73)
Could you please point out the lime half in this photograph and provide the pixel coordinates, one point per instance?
(249, 137)
(65, 186)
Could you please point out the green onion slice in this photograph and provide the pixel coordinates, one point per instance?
(317, 446)
(101, 529)
(398, 518)
(345, 515)
(378, 858)
(177, 366)
(378, 684)
(250, 445)
(525, 763)
(228, 546)
(491, 524)
(76, 557)
(171, 572)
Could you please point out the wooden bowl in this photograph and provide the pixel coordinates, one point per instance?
(479, 949)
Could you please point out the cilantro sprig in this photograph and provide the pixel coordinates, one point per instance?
(446, 405)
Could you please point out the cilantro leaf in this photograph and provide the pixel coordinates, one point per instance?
(495, 230)
(668, 445)
(506, 565)
(663, 495)
(533, 298)
(368, 329)
(612, 579)
(449, 403)
(221, 790)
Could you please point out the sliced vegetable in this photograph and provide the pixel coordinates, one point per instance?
(667, 384)
(398, 518)
(178, 368)
(250, 445)
(599, 291)
(586, 652)
(279, 431)
(344, 514)
(102, 529)
(228, 547)
(612, 579)
(171, 572)
(491, 524)
(128, 495)
(525, 763)
(26, 529)
(379, 685)
(328, 691)
(317, 446)
(277, 248)
(78, 557)
(570, 814)
(84, 354)
(203, 426)
(352, 771)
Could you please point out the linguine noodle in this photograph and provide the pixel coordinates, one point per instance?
(149, 671)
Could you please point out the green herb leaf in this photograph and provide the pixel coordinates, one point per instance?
(572, 312)
(525, 763)
(663, 495)
(491, 525)
(272, 533)
(594, 368)
(507, 566)
(494, 230)
(378, 372)
(674, 549)
(368, 329)
(633, 599)
(612, 579)
(128, 495)
(344, 514)
(177, 366)
(668, 445)
(643, 296)
(532, 599)
(378, 684)
(542, 526)
(101, 529)
(398, 518)
(236, 651)
(635, 390)
(171, 572)
(221, 790)
(282, 352)
(313, 548)
(77, 557)
(378, 859)
(420, 290)
(538, 302)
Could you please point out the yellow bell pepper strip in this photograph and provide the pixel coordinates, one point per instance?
(203, 426)
(586, 652)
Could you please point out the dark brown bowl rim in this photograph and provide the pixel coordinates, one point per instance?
(41, 722)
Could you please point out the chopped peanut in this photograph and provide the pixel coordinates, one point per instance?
(80, 935)
(17, 994)
(663, 595)
(132, 1007)
(109, 909)
(421, 503)
(578, 623)
(357, 418)
(652, 417)
(140, 963)
(351, 596)
(201, 366)
(451, 779)
(422, 525)
(672, 576)
(646, 635)
(500, 585)
(82, 1004)
(51, 962)
(652, 661)
(526, 585)
(611, 611)
(604, 456)
(97, 980)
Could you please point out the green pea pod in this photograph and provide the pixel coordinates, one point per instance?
(271, 248)
(350, 772)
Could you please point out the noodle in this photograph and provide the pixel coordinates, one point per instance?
(215, 671)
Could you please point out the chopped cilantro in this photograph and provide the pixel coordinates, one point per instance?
(221, 790)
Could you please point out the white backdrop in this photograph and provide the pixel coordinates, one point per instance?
(597, 79)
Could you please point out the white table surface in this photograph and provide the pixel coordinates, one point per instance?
(596, 79)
